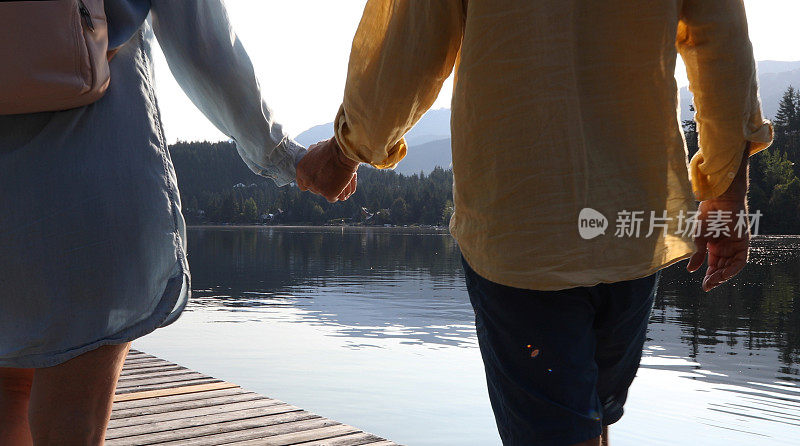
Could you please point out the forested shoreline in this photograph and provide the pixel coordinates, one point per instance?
(217, 188)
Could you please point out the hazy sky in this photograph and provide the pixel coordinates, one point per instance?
(300, 50)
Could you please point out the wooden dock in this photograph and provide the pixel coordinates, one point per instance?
(158, 402)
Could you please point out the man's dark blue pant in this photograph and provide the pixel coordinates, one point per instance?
(559, 363)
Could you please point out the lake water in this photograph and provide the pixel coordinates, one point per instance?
(372, 327)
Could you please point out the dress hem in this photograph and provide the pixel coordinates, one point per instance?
(167, 311)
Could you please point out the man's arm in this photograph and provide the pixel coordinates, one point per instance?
(714, 44)
(402, 53)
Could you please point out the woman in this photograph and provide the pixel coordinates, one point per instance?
(92, 241)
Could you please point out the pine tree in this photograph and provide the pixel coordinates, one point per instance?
(399, 210)
(690, 133)
(787, 126)
(786, 117)
(250, 210)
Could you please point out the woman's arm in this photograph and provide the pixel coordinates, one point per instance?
(213, 68)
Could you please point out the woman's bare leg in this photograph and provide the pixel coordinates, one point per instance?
(70, 403)
(15, 392)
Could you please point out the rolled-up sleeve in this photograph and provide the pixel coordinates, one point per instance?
(402, 53)
(212, 67)
(714, 44)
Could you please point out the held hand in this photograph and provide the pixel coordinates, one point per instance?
(327, 172)
(727, 249)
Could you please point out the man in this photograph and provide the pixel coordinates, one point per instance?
(562, 110)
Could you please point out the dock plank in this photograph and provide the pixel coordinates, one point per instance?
(172, 419)
(157, 379)
(141, 359)
(259, 432)
(189, 404)
(153, 369)
(160, 402)
(176, 398)
(323, 433)
(199, 420)
(128, 396)
(354, 439)
(212, 434)
(168, 385)
(155, 373)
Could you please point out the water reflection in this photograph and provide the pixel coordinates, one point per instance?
(753, 323)
(739, 343)
(375, 282)
(367, 279)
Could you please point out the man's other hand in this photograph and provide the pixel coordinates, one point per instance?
(326, 171)
(727, 254)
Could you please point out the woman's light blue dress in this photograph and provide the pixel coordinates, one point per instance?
(92, 241)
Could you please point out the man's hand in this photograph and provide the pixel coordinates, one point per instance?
(326, 171)
(727, 254)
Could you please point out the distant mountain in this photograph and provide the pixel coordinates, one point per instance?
(315, 134)
(429, 140)
(773, 79)
(777, 66)
(435, 124)
(424, 157)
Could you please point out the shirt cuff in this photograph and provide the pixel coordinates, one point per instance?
(708, 185)
(281, 165)
(382, 158)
